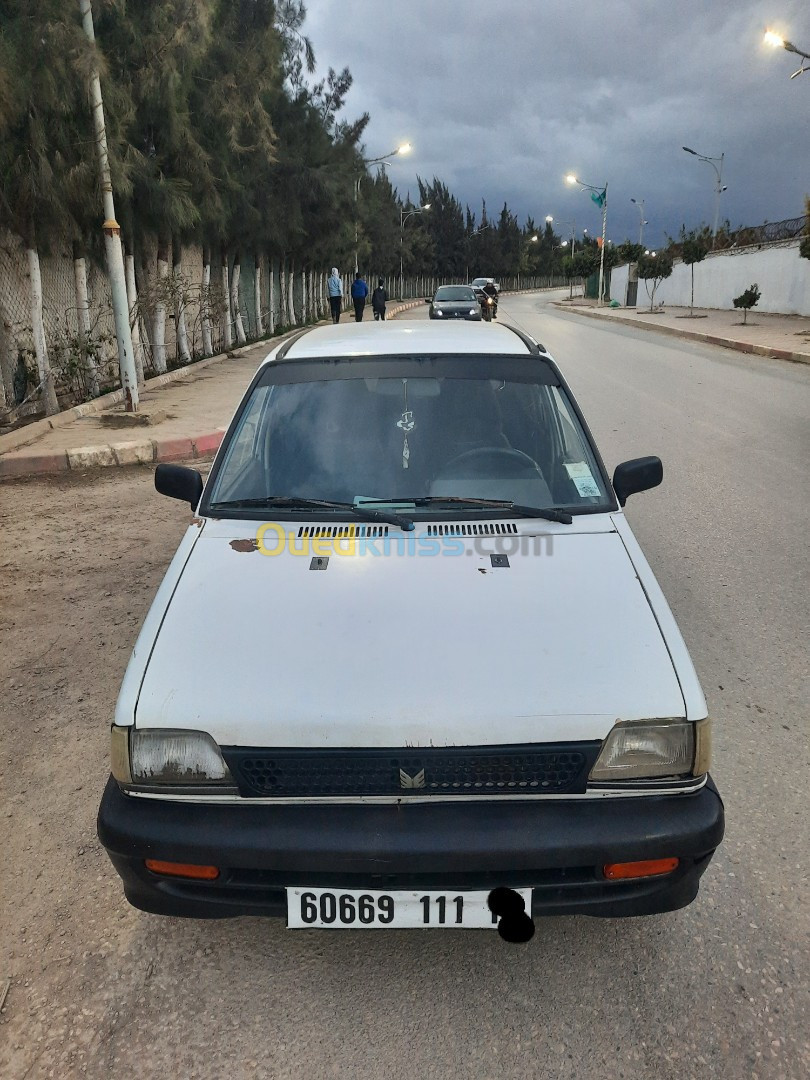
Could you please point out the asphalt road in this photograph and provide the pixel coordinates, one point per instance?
(717, 990)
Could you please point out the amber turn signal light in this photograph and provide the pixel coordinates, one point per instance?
(184, 870)
(648, 868)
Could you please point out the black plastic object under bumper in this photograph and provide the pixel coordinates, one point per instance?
(557, 847)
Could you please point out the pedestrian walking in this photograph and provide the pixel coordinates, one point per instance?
(359, 294)
(335, 287)
(379, 298)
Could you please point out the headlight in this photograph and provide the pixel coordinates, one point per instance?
(654, 750)
(438, 311)
(473, 311)
(157, 757)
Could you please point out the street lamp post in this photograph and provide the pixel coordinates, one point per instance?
(405, 148)
(112, 235)
(403, 217)
(573, 225)
(639, 204)
(600, 198)
(779, 43)
(719, 189)
(472, 236)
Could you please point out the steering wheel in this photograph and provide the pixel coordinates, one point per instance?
(491, 460)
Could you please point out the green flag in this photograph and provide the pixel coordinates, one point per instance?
(599, 199)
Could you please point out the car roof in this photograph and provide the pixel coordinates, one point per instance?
(404, 337)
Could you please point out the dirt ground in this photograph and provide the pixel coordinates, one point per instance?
(74, 591)
(97, 989)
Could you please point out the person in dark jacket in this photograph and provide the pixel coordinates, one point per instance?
(359, 294)
(379, 298)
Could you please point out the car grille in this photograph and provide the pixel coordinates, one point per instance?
(550, 769)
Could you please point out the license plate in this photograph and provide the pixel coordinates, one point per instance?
(371, 909)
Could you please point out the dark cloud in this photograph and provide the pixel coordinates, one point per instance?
(501, 100)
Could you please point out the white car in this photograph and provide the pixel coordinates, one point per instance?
(409, 666)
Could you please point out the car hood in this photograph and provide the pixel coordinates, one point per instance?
(410, 648)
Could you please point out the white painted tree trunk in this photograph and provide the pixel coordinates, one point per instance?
(134, 317)
(272, 311)
(291, 295)
(83, 320)
(159, 327)
(38, 328)
(257, 296)
(205, 311)
(227, 336)
(8, 356)
(282, 295)
(180, 306)
(237, 314)
(304, 297)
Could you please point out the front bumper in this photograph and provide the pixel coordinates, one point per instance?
(556, 847)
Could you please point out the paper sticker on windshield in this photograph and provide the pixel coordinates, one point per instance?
(583, 479)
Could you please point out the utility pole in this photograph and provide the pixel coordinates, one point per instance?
(639, 205)
(719, 188)
(602, 254)
(112, 235)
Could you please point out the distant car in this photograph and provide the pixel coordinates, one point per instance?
(455, 302)
(479, 283)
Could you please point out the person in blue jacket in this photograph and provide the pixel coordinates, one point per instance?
(335, 288)
(359, 294)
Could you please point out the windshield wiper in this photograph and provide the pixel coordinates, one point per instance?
(551, 513)
(293, 502)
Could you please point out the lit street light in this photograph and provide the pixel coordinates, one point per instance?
(600, 198)
(404, 148)
(639, 204)
(403, 217)
(777, 42)
(718, 191)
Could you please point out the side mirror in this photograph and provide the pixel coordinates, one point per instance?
(428, 300)
(178, 482)
(639, 474)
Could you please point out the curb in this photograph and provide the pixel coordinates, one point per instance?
(141, 452)
(695, 335)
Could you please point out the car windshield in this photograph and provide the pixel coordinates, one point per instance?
(395, 429)
(449, 293)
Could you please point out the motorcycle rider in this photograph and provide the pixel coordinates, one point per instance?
(491, 290)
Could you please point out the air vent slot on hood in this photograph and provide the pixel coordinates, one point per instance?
(338, 532)
(459, 528)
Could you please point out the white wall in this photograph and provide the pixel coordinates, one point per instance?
(783, 278)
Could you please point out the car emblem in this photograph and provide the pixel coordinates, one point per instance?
(407, 781)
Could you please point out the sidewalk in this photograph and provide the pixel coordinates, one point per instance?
(782, 337)
(183, 415)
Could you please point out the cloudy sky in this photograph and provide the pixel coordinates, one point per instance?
(501, 99)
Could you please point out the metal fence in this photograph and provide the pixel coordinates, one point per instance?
(770, 232)
(287, 296)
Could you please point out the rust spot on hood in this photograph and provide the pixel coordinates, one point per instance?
(197, 521)
(244, 545)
